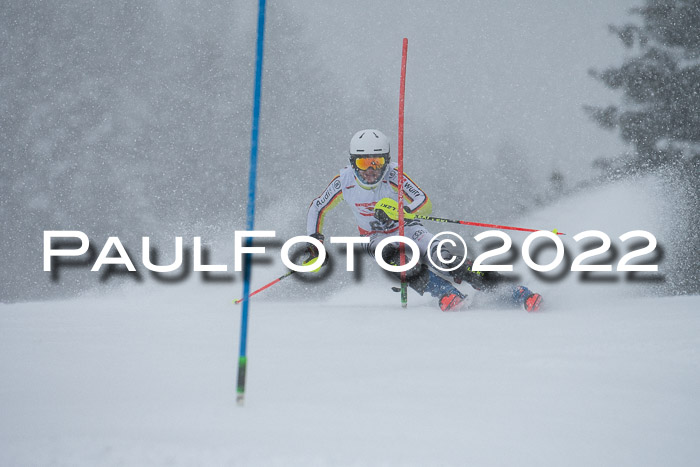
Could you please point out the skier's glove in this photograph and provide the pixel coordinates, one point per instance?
(383, 221)
(312, 252)
(381, 216)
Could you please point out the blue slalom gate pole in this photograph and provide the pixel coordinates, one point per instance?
(250, 224)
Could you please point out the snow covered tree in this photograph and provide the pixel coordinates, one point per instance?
(660, 117)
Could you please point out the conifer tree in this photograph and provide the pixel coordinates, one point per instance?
(660, 117)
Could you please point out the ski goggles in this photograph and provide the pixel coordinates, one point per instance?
(364, 163)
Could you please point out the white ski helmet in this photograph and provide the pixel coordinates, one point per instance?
(369, 144)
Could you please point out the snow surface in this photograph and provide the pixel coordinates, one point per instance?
(604, 375)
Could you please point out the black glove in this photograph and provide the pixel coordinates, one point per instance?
(381, 216)
(383, 221)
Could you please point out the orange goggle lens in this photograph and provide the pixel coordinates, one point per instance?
(364, 163)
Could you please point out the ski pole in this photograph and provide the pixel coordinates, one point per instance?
(265, 286)
(289, 273)
(391, 209)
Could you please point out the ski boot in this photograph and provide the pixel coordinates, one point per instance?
(421, 279)
(529, 300)
(451, 302)
(449, 298)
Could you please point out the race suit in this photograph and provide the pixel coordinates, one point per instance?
(361, 202)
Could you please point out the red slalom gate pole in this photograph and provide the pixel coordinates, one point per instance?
(402, 247)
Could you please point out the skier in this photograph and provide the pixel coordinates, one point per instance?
(370, 177)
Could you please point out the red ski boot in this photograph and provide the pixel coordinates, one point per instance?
(451, 302)
(530, 301)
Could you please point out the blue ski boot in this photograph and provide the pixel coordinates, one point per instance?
(449, 298)
(529, 300)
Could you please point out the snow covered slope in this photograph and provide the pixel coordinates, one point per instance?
(605, 375)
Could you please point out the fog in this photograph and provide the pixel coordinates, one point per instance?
(496, 73)
(133, 118)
